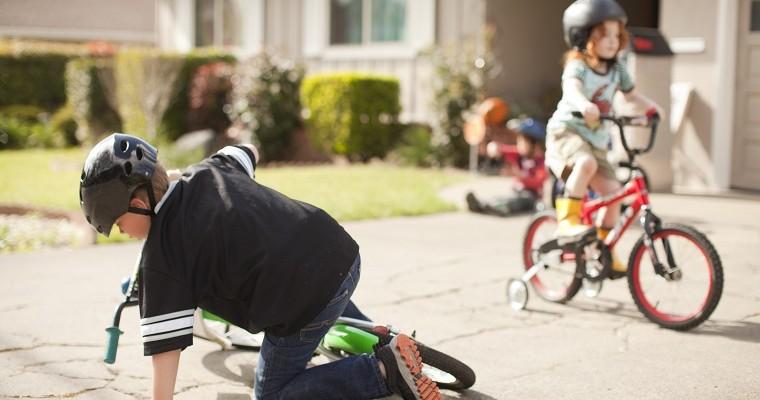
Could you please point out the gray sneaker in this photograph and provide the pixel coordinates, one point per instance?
(403, 370)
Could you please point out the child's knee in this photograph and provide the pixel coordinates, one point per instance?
(586, 165)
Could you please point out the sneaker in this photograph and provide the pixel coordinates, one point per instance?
(403, 370)
(472, 203)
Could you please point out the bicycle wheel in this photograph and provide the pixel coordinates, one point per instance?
(688, 298)
(446, 371)
(560, 281)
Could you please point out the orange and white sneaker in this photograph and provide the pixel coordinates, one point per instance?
(403, 370)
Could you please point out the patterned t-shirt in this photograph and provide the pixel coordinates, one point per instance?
(600, 90)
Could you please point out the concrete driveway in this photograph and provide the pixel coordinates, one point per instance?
(443, 276)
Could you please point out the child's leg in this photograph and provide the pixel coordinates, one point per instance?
(281, 370)
(352, 311)
(604, 185)
(583, 170)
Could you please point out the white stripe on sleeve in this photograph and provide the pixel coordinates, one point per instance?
(169, 335)
(164, 317)
(166, 326)
(240, 156)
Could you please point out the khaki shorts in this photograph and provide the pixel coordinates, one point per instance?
(564, 146)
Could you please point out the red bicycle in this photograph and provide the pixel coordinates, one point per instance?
(674, 273)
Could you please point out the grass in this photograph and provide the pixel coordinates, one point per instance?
(50, 179)
(41, 178)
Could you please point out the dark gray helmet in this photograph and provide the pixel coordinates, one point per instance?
(113, 170)
(583, 15)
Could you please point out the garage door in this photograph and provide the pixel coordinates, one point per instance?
(746, 149)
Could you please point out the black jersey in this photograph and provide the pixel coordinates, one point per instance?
(225, 243)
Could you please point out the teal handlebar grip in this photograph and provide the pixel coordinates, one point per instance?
(112, 344)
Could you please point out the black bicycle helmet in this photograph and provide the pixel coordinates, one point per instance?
(583, 15)
(113, 170)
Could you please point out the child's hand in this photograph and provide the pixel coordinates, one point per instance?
(591, 115)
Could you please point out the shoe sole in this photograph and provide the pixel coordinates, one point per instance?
(405, 348)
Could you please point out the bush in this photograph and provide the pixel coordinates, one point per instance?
(351, 113)
(63, 123)
(146, 82)
(34, 79)
(27, 126)
(265, 101)
(209, 90)
(88, 98)
(459, 78)
(176, 120)
(414, 147)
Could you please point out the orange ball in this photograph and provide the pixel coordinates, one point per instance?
(494, 111)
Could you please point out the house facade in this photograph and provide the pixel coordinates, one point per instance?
(711, 143)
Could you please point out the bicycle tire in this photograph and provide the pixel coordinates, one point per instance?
(564, 292)
(715, 272)
(464, 376)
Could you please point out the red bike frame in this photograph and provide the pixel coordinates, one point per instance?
(635, 187)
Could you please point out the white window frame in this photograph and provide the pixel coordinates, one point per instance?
(418, 36)
(176, 26)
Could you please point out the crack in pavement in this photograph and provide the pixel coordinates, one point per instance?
(496, 329)
(58, 396)
(424, 267)
(433, 295)
(46, 344)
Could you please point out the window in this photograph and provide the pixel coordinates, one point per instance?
(367, 21)
(218, 23)
(754, 22)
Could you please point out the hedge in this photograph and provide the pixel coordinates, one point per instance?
(351, 113)
(33, 79)
(88, 98)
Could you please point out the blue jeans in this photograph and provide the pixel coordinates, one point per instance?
(281, 370)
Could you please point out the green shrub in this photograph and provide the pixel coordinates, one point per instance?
(27, 126)
(63, 123)
(414, 147)
(34, 79)
(88, 97)
(351, 113)
(145, 81)
(266, 102)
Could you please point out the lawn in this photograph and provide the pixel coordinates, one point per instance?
(50, 179)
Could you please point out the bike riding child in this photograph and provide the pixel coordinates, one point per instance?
(526, 162)
(217, 239)
(576, 149)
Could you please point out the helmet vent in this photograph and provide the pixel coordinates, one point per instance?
(124, 145)
(139, 153)
(128, 168)
(84, 175)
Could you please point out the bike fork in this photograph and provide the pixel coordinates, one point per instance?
(651, 223)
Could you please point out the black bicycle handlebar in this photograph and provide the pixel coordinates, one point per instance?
(650, 120)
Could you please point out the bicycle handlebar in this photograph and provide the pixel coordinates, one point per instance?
(651, 120)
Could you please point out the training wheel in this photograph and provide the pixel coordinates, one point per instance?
(592, 289)
(517, 294)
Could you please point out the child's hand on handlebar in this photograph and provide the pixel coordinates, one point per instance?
(591, 115)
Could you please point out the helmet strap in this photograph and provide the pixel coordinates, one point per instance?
(142, 211)
(151, 200)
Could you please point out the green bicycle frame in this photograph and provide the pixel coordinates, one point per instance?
(350, 339)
